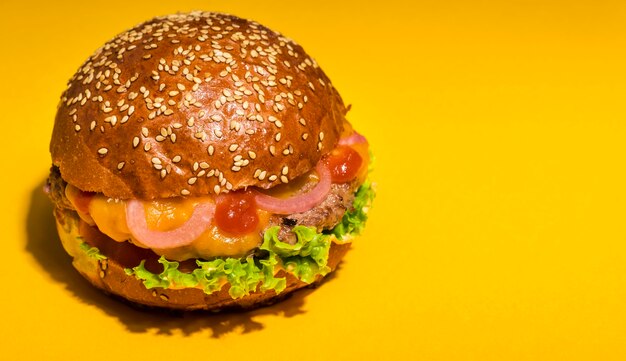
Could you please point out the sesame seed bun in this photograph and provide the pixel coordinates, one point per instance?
(194, 104)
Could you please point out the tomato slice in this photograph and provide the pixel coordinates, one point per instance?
(236, 213)
(344, 164)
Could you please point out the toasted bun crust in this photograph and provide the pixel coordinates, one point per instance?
(193, 104)
(109, 276)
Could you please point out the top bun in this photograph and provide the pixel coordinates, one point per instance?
(194, 104)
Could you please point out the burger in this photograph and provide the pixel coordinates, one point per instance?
(204, 161)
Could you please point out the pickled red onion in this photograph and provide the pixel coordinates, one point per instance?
(181, 236)
(354, 138)
(299, 203)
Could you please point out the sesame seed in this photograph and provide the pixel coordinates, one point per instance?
(233, 147)
(285, 170)
(277, 65)
(284, 179)
(144, 131)
(272, 178)
(120, 165)
(216, 189)
(192, 180)
(185, 192)
(103, 151)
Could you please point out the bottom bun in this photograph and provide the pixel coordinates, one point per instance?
(111, 277)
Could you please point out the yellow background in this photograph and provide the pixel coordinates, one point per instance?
(498, 232)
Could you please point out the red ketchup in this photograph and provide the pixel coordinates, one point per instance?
(236, 213)
(344, 164)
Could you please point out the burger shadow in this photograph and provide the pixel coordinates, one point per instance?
(44, 245)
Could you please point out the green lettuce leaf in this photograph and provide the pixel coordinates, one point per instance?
(306, 259)
(242, 276)
(353, 221)
(268, 267)
(210, 275)
(92, 252)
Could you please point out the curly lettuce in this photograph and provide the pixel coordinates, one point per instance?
(353, 221)
(305, 259)
(92, 252)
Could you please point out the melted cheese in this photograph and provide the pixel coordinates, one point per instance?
(163, 215)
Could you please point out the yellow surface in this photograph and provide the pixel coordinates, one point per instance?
(498, 232)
